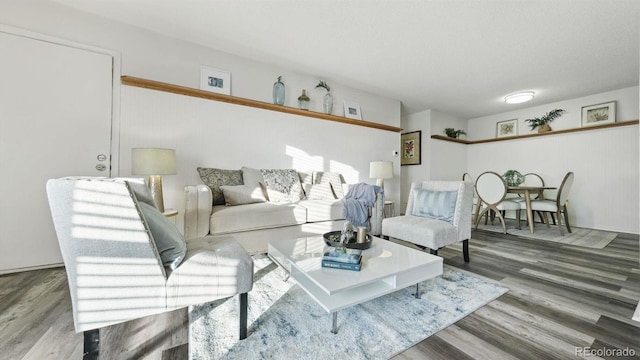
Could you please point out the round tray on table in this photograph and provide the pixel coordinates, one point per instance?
(332, 238)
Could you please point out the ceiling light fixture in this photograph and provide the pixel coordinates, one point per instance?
(520, 97)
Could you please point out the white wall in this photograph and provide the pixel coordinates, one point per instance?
(229, 135)
(448, 160)
(409, 173)
(605, 161)
(626, 109)
(221, 135)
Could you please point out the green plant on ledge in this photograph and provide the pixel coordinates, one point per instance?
(324, 85)
(545, 119)
(453, 133)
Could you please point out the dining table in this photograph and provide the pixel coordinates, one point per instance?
(527, 191)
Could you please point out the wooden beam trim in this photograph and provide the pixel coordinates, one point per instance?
(182, 90)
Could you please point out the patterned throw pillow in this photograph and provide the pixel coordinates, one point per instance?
(283, 185)
(214, 178)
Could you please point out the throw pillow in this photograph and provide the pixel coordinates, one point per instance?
(141, 191)
(282, 185)
(214, 178)
(319, 191)
(169, 242)
(251, 176)
(334, 178)
(440, 205)
(242, 194)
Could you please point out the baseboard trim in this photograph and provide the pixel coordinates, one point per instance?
(30, 268)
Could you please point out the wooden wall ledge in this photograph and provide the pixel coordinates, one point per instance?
(182, 90)
(588, 128)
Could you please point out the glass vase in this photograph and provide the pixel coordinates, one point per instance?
(278, 92)
(327, 103)
(303, 100)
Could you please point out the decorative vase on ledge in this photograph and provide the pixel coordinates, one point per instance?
(278, 92)
(327, 103)
(303, 100)
(544, 128)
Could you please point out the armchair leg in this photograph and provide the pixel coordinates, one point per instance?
(91, 344)
(465, 250)
(244, 303)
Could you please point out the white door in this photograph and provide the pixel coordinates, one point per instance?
(55, 120)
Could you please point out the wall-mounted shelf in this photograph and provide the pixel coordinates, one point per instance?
(182, 90)
(506, 138)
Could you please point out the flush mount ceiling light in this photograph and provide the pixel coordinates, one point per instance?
(520, 97)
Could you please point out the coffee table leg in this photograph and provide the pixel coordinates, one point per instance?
(417, 294)
(334, 327)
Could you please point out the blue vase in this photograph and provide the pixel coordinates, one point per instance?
(278, 92)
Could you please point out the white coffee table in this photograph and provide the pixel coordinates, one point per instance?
(386, 267)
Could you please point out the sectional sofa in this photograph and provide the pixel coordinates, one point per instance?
(257, 205)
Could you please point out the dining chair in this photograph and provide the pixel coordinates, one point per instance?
(492, 190)
(557, 206)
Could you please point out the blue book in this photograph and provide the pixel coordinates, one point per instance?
(341, 265)
(343, 255)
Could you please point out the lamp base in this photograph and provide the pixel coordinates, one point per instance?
(155, 186)
(380, 182)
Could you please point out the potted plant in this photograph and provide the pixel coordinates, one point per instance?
(542, 123)
(453, 133)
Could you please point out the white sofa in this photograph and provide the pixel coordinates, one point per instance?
(254, 211)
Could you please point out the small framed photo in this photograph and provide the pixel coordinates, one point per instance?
(507, 128)
(599, 114)
(410, 148)
(352, 110)
(215, 80)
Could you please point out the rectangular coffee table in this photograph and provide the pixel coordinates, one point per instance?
(386, 267)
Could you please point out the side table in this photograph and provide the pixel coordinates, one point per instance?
(389, 209)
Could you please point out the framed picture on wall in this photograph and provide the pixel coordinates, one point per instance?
(410, 148)
(507, 128)
(215, 80)
(352, 110)
(599, 114)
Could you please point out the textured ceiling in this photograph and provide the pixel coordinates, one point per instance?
(457, 56)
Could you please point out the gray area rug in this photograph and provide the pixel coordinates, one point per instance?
(285, 323)
(590, 238)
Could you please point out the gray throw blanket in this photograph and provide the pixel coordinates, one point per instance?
(357, 202)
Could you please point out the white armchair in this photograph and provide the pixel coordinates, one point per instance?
(437, 215)
(119, 268)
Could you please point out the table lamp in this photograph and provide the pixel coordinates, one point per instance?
(154, 162)
(381, 170)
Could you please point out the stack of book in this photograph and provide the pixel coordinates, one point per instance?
(342, 258)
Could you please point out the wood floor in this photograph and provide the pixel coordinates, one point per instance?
(561, 298)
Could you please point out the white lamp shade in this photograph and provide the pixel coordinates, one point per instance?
(153, 161)
(381, 170)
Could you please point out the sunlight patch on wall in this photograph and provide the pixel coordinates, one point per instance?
(302, 161)
(351, 175)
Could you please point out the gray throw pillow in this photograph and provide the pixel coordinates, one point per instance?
(242, 194)
(169, 242)
(439, 205)
(214, 178)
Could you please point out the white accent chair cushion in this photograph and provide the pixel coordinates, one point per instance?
(430, 232)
